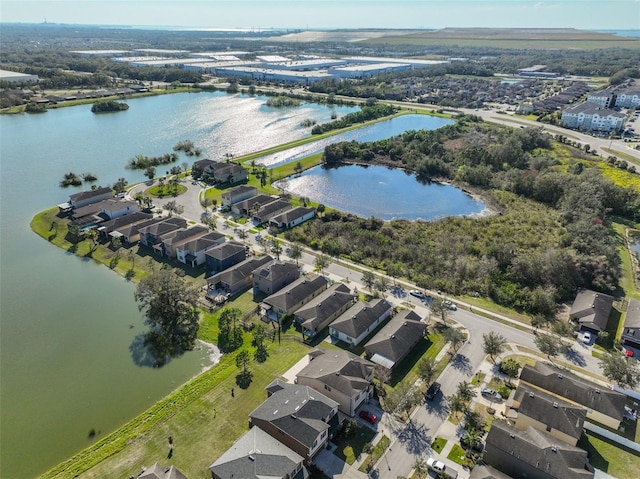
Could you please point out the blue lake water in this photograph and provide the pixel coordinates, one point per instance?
(378, 131)
(384, 193)
(67, 324)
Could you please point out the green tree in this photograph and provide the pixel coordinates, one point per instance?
(242, 361)
(298, 168)
(173, 208)
(259, 335)
(493, 344)
(295, 252)
(276, 248)
(426, 370)
(120, 185)
(230, 334)
(170, 306)
(620, 370)
(510, 367)
(150, 172)
(321, 262)
(320, 209)
(439, 308)
(548, 344)
(368, 279)
(454, 336)
(382, 283)
(456, 404)
(466, 391)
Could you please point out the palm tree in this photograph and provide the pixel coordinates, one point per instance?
(493, 344)
(320, 209)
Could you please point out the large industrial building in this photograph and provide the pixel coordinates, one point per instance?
(17, 77)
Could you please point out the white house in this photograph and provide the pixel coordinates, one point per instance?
(592, 117)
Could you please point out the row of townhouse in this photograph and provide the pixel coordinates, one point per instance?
(245, 200)
(544, 421)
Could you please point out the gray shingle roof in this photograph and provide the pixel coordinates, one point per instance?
(632, 319)
(183, 234)
(164, 226)
(591, 309)
(538, 449)
(239, 272)
(316, 311)
(550, 410)
(277, 270)
(254, 456)
(298, 411)
(225, 250)
(487, 472)
(207, 241)
(591, 108)
(339, 369)
(84, 195)
(292, 214)
(296, 292)
(565, 384)
(397, 337)
(125, 220)
(355, 321)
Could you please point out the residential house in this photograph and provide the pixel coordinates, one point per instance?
(318, 313)
(300, 417)
(531, 407)
(84, 198)
(355, 324)
(591, 310)
(591, 117)
(193, 252)
(88, 212)
(257, 455)
(116, 208)
(534, 454)
(341, 376)
(268, 211)
(484, 471)
(150, 235)
(237, 194)
(631, 328)
(292, 217)
(171, 241)
(237, 278)
(111, 226)
(225, 173)
(224, 256)
(396, 339)
(158, 471)
(273, 277)
(604, 405)
(131, 233)
(248, 206)
(197, 170)
(292, 296)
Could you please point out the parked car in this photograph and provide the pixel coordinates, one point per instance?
(491, 394)
(435, 465)
(586, 338)
(417, 294)
(452, 306)
(368, 416)
(433, 391)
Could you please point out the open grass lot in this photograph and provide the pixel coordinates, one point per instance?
(627, 282)
(349, 448)
(534, 38)
(610, 457)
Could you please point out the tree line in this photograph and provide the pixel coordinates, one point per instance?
(551, 233)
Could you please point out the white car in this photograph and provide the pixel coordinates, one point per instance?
(586, 338)
(435, 465)
(417, 294)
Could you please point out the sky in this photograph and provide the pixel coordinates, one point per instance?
(327, 14)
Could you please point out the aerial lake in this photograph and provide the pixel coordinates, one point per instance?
(377, 131)
(382, 192)
(68, 324)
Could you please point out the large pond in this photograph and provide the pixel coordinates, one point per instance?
(67, 324)
(377, 131)
(384, 193)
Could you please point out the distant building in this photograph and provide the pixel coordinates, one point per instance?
(592, 117)
(628, 98)
(605, 98)
(17, 77)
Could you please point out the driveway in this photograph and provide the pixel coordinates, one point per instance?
(189, 200)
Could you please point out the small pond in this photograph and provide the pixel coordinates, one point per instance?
(384, 193)
(377, 131)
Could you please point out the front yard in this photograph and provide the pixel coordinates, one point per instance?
(349, 448)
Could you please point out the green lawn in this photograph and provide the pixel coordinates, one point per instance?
(610, 457)
(457, 454)
(166, 190)
(349, 448)
(438, 444)
(377, 453)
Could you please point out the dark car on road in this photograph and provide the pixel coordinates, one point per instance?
(433, 391)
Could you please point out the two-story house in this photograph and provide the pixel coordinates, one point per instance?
(224, 256)
(273, 277)
(292, 296)
(300, 417)
(236, 279)
(318, 313)
(192, 252)
(237, 194)
(341, 376)
(171, 241)
(151, 234)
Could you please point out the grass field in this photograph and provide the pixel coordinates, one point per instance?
(609, 457)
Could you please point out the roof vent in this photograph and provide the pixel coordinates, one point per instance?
(252, 457)
(560, 376)
(393, 336)
(555, 405)
(531, 395)
(554, 449)
(597, 391)
(337, 373)
(294, 417)
(512, 435)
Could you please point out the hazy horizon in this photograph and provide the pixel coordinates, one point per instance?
(328, 14)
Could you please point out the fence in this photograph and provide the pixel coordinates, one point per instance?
(634, 446)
